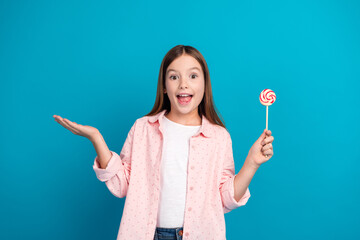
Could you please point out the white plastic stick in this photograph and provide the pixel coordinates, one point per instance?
(267, 110)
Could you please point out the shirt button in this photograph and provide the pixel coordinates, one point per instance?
(192, 167)
(189, 208)
(186, 234)
(193, 147)
(191, 188)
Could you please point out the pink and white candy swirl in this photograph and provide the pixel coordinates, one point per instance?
(267, 97)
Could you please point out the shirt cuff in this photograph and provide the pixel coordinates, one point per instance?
(113, 167)
(229, 198)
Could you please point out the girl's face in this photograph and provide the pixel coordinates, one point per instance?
(184, 76)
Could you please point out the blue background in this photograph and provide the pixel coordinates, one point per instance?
(97, 63)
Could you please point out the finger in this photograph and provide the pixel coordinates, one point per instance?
(268, 133)
(75, 125)
(71, 124)
(262, 137)
(268, 140)
(66, 125)
(267, 146)
(268, 152)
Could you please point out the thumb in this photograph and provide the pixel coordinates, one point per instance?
(262, 136)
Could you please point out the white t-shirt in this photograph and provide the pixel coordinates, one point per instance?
(173, 171)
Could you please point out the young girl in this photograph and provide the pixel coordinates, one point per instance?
(176, 167)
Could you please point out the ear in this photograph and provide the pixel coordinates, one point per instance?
(164, 91)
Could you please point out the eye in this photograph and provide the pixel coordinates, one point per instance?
(193, 75)
(171, 77)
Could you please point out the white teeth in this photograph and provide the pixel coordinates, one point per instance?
(185, 95)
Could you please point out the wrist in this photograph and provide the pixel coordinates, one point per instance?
(95, 137)
(250, 163)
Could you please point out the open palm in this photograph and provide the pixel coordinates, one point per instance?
(78, 129)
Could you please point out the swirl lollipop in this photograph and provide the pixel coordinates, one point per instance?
(267, 97)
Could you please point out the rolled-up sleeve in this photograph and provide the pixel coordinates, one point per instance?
(227, 181)
(117, 173)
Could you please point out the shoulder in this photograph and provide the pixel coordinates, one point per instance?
(221, 133)
(141, 122)
(138, 123)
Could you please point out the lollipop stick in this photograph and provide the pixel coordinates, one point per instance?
(267, 117)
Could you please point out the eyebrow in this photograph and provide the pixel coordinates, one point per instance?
(189, 69)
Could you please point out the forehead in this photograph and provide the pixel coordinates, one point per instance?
(184, 63)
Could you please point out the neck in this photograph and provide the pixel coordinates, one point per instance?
(190, 119)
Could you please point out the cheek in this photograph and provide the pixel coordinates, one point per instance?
(170, 88)
(200, 89)
(199, 94)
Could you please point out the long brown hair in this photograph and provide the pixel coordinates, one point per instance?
(207, 106)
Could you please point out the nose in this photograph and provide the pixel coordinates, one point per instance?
(183, 84)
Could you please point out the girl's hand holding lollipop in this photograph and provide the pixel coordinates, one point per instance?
(262, 149)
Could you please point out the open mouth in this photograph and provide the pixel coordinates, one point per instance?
(184, 99)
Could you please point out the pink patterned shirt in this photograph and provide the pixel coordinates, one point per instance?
(135, 173)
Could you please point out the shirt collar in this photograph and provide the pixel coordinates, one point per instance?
(205, 127)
